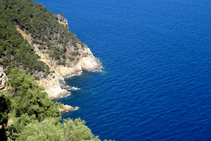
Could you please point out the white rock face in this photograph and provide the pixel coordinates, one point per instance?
(55, 91)
(67, 108)
(3, 78)
(52, 84)
(89, 62)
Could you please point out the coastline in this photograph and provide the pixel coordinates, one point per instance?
(57, 88)
(54, 84)
(64, 87)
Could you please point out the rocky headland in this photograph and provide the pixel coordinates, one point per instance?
(62, 20)
(37, 53)
(54, 83)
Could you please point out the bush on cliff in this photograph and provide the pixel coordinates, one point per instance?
(36, 117)
(51, 130)
(5, 107)
(14, 50)
(29, 97)
(37, 21)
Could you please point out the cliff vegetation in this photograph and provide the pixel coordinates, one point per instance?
(27, 31)
(35, 116)
(46, 32)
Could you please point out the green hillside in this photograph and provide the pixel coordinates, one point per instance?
(51, 37)
(26, 112)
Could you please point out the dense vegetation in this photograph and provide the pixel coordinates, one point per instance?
(35, 116)
(26, 112)
(14, 50)
(42, 25)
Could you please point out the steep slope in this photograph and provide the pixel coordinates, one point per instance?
(52, 83)
(49, 37)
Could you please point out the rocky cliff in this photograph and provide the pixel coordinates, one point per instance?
(85, 60)
(54, 81)
(62, 20)
(3, 79)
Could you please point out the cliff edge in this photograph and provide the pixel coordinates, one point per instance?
(62, 20)
(78, 58)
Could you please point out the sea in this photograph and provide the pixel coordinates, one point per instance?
(155, 80)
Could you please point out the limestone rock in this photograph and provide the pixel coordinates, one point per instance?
(89, 62)
(24, 34)
(3, 78)
(66, 108)
(62, 20)
(53, 82)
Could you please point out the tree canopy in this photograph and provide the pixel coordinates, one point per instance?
(35, 116)
(42, 26)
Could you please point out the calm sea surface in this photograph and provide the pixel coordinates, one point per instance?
(156, 58)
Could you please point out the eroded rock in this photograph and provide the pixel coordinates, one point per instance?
(53, 82)
(67, 108)
(62, 20)
(3, 78)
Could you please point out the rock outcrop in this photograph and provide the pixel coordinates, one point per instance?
(52, 83)
(62, 20)
(24, 34)
(3, 78)
(67, 108)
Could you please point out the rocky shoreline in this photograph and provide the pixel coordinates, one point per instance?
(56, 87)
(54, 83)
(56, 91)
(67, 108)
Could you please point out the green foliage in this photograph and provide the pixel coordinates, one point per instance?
(34, 124)
(63, 63)
(77, 131)
(51, 130)
(35, 116)
(41, 24)
(71, 58)
(5, 107)
(19, 125)
(75, 53)
(47, 130)
(14, 50)
(41, 47)
(30, 98)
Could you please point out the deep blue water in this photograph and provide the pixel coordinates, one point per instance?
(156, 57)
